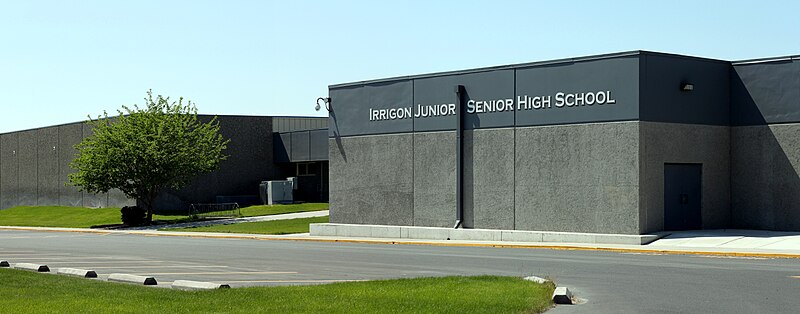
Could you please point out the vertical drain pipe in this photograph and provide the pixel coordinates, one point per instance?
(460, 91)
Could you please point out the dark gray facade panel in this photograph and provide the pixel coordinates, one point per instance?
(435, 179)
(291, 124)
(350, 112)
(674, 143)
(68, 136)
(663, 100)
(9, 170)
(319, 145)
(592, 81)
(489, 179)
(483, 86)
(28, 164)
(282, 146)
(765, 93)
(764, 176)
(47, 166)
(301, 146)
(578, 178)
(371, 179)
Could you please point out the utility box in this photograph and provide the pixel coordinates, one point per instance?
(263, 192)
(294, 182)
(279, 192)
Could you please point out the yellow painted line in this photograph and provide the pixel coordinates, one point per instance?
(289, 281)
(227, 273)
(162, 266)
(411, 242)
(795, 277)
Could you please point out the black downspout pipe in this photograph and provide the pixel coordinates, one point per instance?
(460, 91)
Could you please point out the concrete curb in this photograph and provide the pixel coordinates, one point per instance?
(32, 267)
(4, 264)
(197, 285)
(141, 280)
(538, 280)
(412, 242)
(77, 272)
(562, 295)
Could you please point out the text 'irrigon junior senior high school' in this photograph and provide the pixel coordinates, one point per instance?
(522, 102)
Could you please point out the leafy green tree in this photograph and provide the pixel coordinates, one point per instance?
(145, 150)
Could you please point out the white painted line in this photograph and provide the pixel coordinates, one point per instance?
(299, 281)
(109, 262)
(160, 266)
(35, 254)
(74, 257)
(230, 273)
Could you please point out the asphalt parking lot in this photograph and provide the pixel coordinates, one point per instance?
(165, 270)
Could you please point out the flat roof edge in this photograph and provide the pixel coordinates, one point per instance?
(767, 60)
(520, 66)
(491, 68)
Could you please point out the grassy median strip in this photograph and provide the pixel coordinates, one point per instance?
(288, 226)
(82, 217)
(26, 292)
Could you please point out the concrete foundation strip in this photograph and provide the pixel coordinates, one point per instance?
(77, 272)
(32, 267)
(4, 264)
(141, 280)
(197, 285)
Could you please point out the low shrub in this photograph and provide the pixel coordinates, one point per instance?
(133, 216)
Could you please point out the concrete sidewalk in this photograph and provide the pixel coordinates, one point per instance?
(319, 213)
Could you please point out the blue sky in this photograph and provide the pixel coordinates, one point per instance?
(63, 60)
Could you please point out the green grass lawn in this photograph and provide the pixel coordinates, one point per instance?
(262, 210)
(81, 217)
(58, 216)
(299, 225)
(28, 292)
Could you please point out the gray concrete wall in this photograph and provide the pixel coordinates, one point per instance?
(371, 179)
(708, 145)
(33, 172)
(488, 178)
(9, 170)
(68, 136)
(434, 179)
(27, 163)
(765, 162)
(250, 161)
(578, 178)
(47, 166)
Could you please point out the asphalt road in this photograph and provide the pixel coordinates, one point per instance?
(608, 282)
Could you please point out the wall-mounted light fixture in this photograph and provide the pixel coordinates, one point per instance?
(325, 101)
(687, 87)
